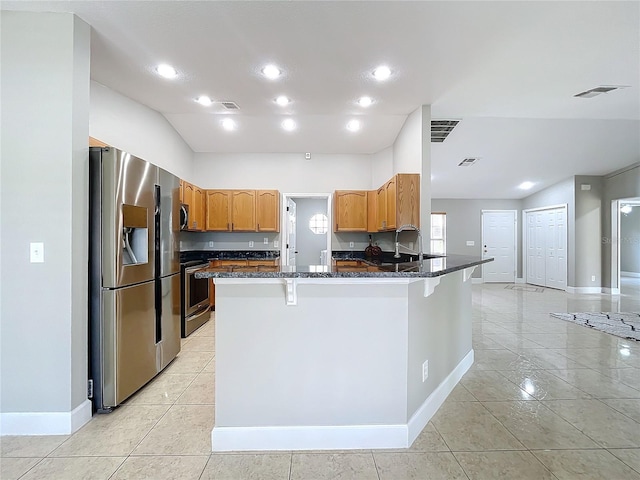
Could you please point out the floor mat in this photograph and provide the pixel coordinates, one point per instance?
(625, 325)
(525, 288)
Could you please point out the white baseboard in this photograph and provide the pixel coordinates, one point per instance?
(520, 280)
(45, 423)
(630, 274)
(430, 406)
(339, 437)
(611, 291)
(584, 290)
(477, 280)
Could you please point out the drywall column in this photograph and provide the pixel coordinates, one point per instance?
(44, 198)
(588, 233)
(412, 154)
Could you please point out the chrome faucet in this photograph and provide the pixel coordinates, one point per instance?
(409, 226)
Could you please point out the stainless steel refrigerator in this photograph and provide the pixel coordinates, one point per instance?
(134, 274)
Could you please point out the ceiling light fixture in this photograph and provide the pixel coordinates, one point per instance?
(271, 71)
(382, 73)
(204, 100)
(288, 124)
(166, 71)
(283, 101)
(228, 124)
(526, 185)
(353, 125)
(365, 101)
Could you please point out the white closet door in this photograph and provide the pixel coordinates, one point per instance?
(547, 247)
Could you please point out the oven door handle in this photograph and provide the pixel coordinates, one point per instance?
(192, 270)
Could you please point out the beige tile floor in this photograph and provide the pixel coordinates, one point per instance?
(545, 399)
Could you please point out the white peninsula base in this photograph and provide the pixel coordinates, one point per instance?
(341, 367)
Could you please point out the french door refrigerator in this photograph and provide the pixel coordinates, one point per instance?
(134, 274)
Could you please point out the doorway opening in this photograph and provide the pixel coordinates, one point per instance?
(625, 245)
(306, 236)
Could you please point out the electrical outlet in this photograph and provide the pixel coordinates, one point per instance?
(251, 244)
(37, 252)
(265, 240)
(276, 244)
(593, 278)
(470, 243)
(410, 245)
(425, 370)
(211, 244)
(351, 244)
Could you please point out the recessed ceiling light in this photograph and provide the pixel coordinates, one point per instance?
(166, 71)
(288, 124)
(353, 125)
(525, 185)
(365, 101)
(271, 71)
(282, 101)
(382, 73)
(204, 100)
(228, 124)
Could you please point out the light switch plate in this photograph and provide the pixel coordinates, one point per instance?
(265, 241)
(251, 244)
(276, 244)
(37, 252)
(470, 243)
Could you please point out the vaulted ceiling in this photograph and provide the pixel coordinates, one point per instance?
(507, 70)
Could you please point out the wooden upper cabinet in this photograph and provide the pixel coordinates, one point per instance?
(218, 210)
(243, 211)
(193, 197)
(398, 202)
(94, 142)
(267, 210)
(350, 210)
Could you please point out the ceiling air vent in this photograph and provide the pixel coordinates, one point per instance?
(440, 129)
(594, 92)
(467, 162)
(230, 105)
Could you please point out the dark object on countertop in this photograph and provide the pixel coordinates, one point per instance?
(372, 250)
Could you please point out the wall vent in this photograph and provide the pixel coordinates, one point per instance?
(440, 129)
(594, 92)
(230, 105)
(467, 162)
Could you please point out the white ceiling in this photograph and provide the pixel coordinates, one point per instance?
(507, 70)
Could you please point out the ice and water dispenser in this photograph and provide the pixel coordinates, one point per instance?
(135, 235)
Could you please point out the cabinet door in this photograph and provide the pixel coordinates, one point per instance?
(408, 199)
(218, 210)
(267, 211)
(381, 206)
(199, 208)
(391, 204)
(212, 287)
(372, 211)
(351, 210)
(243, 211)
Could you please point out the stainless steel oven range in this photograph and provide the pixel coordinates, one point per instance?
(195, 297)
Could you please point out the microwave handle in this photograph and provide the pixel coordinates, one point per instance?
(184, 216)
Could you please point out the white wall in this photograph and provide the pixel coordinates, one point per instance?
(287, 172)
(407, 149)
(382, 167)
(588, 232)
(44, 190)
(119, 121)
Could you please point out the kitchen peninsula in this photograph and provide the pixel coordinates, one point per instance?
(316, 357)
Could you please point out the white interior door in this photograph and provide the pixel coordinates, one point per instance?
(547, 247)
(499, 242)
(291, 232)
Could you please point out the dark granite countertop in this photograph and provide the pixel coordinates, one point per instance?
(429, 267)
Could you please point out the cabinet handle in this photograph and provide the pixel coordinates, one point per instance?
(258, 227)
(227, 225)
(336, 226)
(232, 227)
